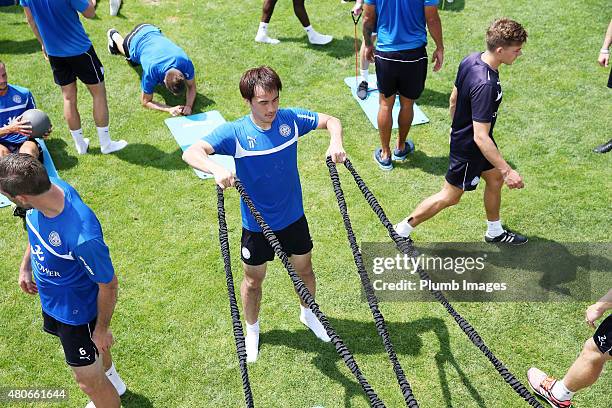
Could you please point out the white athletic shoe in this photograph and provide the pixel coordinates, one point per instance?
(82, 148)
(251, 342)
(114, 7)
(262, 37)
(311, 321)
(319, 39)
(113, 146)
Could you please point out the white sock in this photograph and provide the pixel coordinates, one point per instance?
(263, 27)
(494, 228)
(80, 142)
(114, 378)
(560, 391)
(106, 144)
(403, 228)
(103, 135)
(309, 29)
(364, 74)
(311, 321)
(251, 341)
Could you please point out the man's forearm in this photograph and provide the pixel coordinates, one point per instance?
(107, 298)
(491, 153)
(334, 127)
(34, 27)
(191, 95)
(26, 262)
(434, 25)
(156, 106)
(368, 29)
(606, 301)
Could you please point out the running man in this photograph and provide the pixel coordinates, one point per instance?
(71, 54)
(68, 265)
(162, 61)
(474, 103)
(264, 147)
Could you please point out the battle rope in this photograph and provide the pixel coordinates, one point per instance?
(406, 247)
(379, 320)
(307, 298)
(236, 324)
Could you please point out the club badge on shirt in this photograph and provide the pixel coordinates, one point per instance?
(284, 130)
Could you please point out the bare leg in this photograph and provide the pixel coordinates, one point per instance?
(587, 367)
(30, 148)
(268, 9)
(303, 267)
(406, 114)
(385, 124)
(300, 12)
(4, 151)
(93, 381)
(251, 290)
(119, 42)
(492, 193)
(100, 104)
(448, 196)
(71, 113)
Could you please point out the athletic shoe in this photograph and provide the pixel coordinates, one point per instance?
(385, 164)
(319, 39)
(402, 155)
(113, 146)
(362, 90)
(112, 46)
(310, 320)
(114, 7)
(604, 148)
(507, 237)
(542, 385)
(262, 37)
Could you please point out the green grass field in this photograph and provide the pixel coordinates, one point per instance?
(174, 345)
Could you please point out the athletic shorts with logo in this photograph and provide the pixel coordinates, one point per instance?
(86, 67)
(465, 174)
(402, 72)
(79, 348)
(294, 239)
(14, 147)
(603, 336)
(128, 40)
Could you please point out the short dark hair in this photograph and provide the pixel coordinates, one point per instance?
(505, 32)
(175, 81)
(22, 174)
(263, 77)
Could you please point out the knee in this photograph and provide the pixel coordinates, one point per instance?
(590, 352)
(4, 151)
(450, 200)
(88, 384)
(70, 99)
(253, 283)
(496, 181)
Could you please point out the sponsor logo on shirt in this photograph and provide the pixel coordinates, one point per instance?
(16, 98)
(37, 250)
(251, 140)
(54, 239)
(44, 270)
(86, 266)
(284, 130)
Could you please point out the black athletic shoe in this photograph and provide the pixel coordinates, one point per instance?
(604, 148)
(362, 90)
(112, 47)
(507, 237)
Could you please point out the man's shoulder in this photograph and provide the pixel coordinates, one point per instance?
(17, 94)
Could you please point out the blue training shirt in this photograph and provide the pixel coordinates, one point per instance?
(157, 54)
(479, 95)
(59, 25)
(266, 164)
(69, 259)
(12, 105)
(401, 23)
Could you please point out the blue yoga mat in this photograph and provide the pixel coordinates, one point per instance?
(370, 106)
(48, 165)
(189, 129)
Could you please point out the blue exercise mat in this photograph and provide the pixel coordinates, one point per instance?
(48, 165)
(189, 129)
(370, 106)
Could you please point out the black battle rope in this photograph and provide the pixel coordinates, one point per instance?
(307, 298)
(379, 320)
(406, 247)
(236, 324)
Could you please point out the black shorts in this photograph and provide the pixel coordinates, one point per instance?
(294, 239)
(79, 348)
(128, 39)
(14, 147)
(401, 71)
(603, 336)
(87, 67)
(465, 174)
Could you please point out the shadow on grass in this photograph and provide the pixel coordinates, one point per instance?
(433, 165)
(132, 400)
(20, 47)
(11, 9)
(146, 155)
(364, 339)
(201, 101)
(429, 97)
(58, 149)
(339, 48)
(456, 5)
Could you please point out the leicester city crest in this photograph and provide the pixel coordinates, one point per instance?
(54, 239)
(284, 130)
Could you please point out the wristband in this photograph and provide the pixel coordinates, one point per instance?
(604, 51)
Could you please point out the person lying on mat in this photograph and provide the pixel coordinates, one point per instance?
(14, 133)
(162, 61)
(264, 147)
